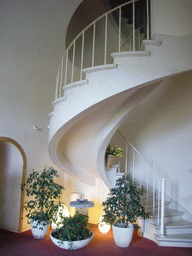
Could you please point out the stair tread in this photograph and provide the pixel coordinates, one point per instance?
(178, 223)
(170, 212)
(150, 204)
(99, 68)
(175, 237)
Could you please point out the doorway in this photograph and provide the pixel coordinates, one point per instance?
(12, 174)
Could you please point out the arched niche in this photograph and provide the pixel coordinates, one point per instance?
(13, 172)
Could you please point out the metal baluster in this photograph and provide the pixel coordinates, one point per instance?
(66, 68)
(153, 194)
(93, 51)
(72, 72)
(147, 187)
(82, 55)
(162, 206)
(126, 162)
(61, 78)
(105, 55)
(133, 166)
(119, 29)
(133, 25)
(57, 85)
(147, 19)
(158, 218)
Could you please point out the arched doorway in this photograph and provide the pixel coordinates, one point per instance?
(13, 172)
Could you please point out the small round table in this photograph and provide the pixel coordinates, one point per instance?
(82, 206)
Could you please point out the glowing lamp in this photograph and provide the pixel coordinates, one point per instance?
(103, 227)
(57, 216)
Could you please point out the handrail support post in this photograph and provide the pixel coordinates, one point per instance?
(162, 207)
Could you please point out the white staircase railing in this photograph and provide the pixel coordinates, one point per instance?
(94, 45)
(135, 164)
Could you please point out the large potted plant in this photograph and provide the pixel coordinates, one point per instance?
(74, 233)
(43, 192)
(111, 153)
(122, 208)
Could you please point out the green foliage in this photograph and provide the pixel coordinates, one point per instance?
(114, 150)
(43, 189)
(123, 203)
(73, 229)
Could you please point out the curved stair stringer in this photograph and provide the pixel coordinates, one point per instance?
(78, 147)
(111, 126)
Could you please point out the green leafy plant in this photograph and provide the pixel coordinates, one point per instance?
(114, 150)
(74, 229)
(123, 204)
(44, 191)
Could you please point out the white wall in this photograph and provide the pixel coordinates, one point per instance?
(162, 134)
(173, 17)
(32, 44)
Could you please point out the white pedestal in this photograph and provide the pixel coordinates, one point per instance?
(82, 206)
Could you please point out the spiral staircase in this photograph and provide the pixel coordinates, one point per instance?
(93, 100)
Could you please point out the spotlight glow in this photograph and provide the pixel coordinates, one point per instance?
(57, 217)
(103, 227)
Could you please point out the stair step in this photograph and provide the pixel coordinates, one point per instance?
(170, 215)
(130, 54)
(178, 232)
(99, 68)
(150, 208)
(175, 240)
(175, 227)
(151, 42)
(76, 84)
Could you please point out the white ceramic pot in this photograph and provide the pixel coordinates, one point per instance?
(73, 245)
(123, 236)
(39, 230)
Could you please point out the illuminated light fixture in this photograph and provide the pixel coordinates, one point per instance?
(103, 227)
(57, 216)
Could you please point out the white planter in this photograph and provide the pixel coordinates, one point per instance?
(73, 245)
(123, 236)
(39, 231)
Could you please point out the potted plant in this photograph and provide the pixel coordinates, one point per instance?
(111, 152)
(43, 191)
(122, 208)
(74, 234)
